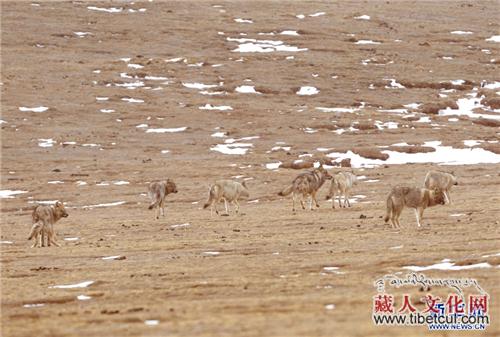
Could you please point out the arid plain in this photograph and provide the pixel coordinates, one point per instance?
(101, 98)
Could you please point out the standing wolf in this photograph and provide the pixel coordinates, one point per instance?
(441, 180)
(343, 183)
(413, 197)
(44, 218)
(229, 190)
(307, 184)
(157, 192)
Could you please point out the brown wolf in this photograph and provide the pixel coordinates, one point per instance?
(157, 192)
(44, 218)
(227, 190)
(343, 183)
(307, 184)
(442, 180)
(413, 197)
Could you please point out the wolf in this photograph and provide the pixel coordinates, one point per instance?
(157, 192)
(307, 184)
(227, 190)
(44, 218)
(413, 197)
(343, 183)
(442, 180)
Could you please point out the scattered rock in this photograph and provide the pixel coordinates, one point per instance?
(487, 122)
(370, 153)
(412, 149)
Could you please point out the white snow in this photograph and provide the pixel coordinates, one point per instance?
(174, 60)
(234, 148)
(219, 134)
(107, 111)
(362, 17)
(164, 130)
(213, 107)
(211, 253)
(337, 109)
(108, 10)
(367, 42)
(77, 285)
(394, 84)
(155, 78)
(151, 322)
(9, 194)
(290, 32)
(83, 297)
(466, 106)
(317, 14)
(34, 305)
(307, 90)
(114, 257)
(262, 46)
(196, 85)
(471, 143)
(273, 166)
(132, 100)
(46, 142)
(110, 204)
(448, 266)
(82, 34)
(36, 109)
(494, 38)
(239, 20)
(246, 89)
(180, 225)
(461, 32)
(444, 155)
(55, 182)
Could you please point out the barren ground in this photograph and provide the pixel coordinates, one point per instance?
(268, 279)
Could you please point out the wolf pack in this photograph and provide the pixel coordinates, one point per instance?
(304, 187)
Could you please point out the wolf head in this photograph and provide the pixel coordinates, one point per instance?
(170, 187)
(60, 210)
(438, 196)
(324, 172)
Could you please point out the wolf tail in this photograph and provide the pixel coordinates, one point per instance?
(211, 196)
(34, 215)
(333, 187)
(34, 230)
(389, 209)
(286, 191)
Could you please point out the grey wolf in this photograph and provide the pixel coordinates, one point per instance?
(307, 184)
(442, 180)
(44, 218)
(412, 197)
(227, 190)
(157, 192)
(343, 183)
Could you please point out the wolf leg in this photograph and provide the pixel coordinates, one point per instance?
(51, 236)
(347, 195)
(315, 200)
(237, 205)
(447, 199)
(418, 218)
